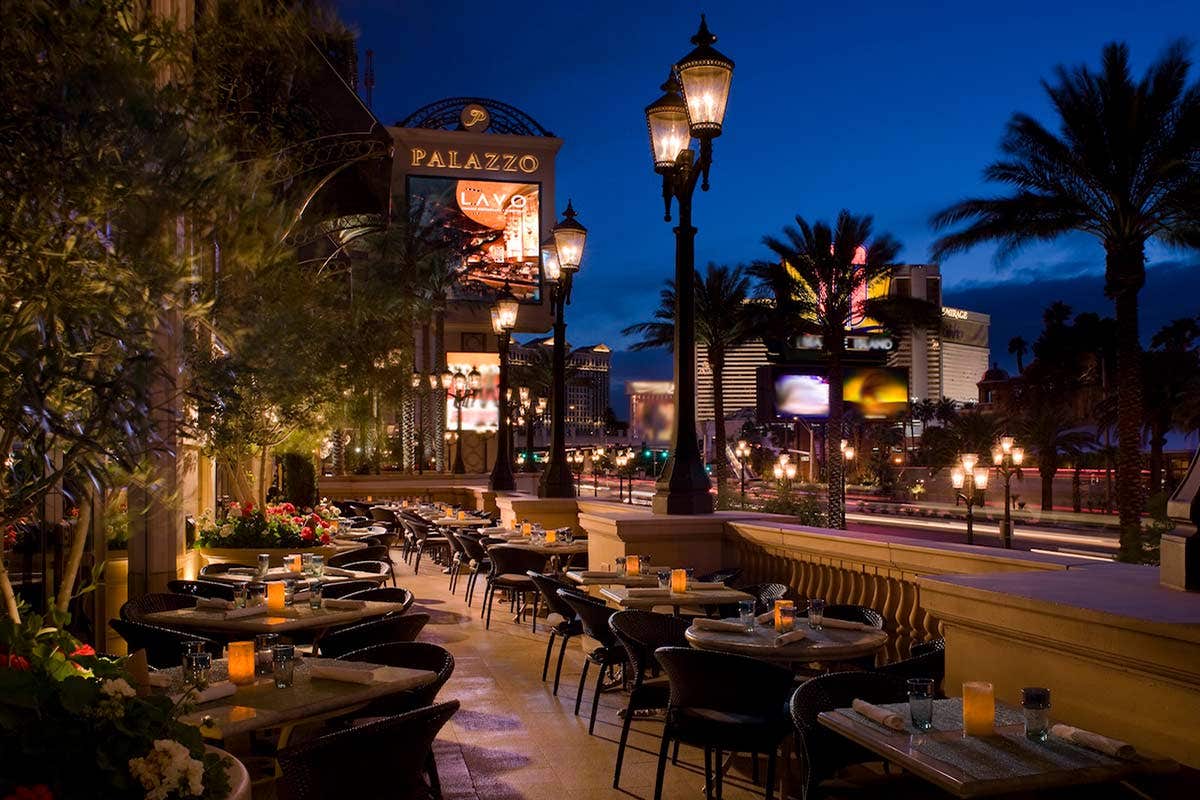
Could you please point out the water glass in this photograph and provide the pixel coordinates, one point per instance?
(264, 652)
(314, 596)
(691, 577)
(318, 565)
(284, 665)
(816, 613)
(920, 702)
(620, 565)
(197, 668)
(306, 562)
(264, 565)
(664, 579)
(256, 594)
(289, 593)
(1035, 701)
(240, 592)
(746, 614)
(568, 535)
(644, 564)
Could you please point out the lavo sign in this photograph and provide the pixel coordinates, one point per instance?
(855, 343)
(491, 162)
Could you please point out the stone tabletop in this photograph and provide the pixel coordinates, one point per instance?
(827, 644)
(293, 618)
(695, 597)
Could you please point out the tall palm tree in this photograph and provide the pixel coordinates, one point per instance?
(1172, 373)
(1049, 434)
(724, 320)
(818, 273)
(1124, 169)
(1017, 346)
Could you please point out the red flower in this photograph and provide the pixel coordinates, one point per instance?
(39, 792)
(84, 650)
(247, 509)
(314, 519)
(306, 534)
(14, 662)
(297, 520)
(325, 524)
(289, 508)
(324, 538)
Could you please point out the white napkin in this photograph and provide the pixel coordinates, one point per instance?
(214, 691)
(159, 680)
(887, 719)
(1093, 741)
(766, 619)
(846, 625)
(246, 611)
(789, 637)
(339, 604)
(213, 604)
(649, 593)
(724, 626)
(339, 572)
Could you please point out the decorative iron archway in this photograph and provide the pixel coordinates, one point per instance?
(458, 114)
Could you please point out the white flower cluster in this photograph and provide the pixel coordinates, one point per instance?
(113, 694)
(117, 688)
(167, 769)
(225, 530)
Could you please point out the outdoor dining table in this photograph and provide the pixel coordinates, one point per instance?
(298, 617)
(977, 766)
(692, 597)
(455, 522)
(825, 645)
(584, 578)
(260, 705)
(283, 574)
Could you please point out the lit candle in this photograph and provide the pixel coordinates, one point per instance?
(294, 562)
(979, 708)
(784, 622)
(241, 662)
(679, 580)
(526, 528)
(633, 565)
(551, 536)
(462, 515)
(275, 601)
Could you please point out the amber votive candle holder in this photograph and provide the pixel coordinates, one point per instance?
(526, 528)
(294, 562)
(679, 581)
(785, 622)
(241, 662)
(979, 708)
(275, 596)
(633, 565)
(551, 536)
(462, 515)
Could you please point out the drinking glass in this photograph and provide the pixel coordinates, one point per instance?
(816, 613)
(264, 564)
(664, 579)
(197, 668)
(284, 665)
(289, 593)
(620, 565)
(920, 702)
(1035, 701)
(568, 535)
(747, 615)
(318, 565)
(240, 593)
(264, 651)
(256, 594)
(314, 596)
(691, 576)
(644, 562)
(306, 562)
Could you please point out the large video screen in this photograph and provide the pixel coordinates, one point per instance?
(877, 392)
(502, 223)
(788, 393)
(801, 395)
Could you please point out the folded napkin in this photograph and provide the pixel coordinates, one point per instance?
(339, 604)
(706, 586)
(247, 611)
(724, 626)
(887, 719)
(301, 595)
(554, 618)
(339, 572)
(789, 637)
(214, 691)
(213, 604)
(846, 625)
(766, 619)
(345, 674)
(598, 574)
(159, 680)
(1093, 741)
(648, 592)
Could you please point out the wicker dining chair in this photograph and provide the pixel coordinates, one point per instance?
(642, 633)
(851, 613)
(478, 562)
(456, 560)
(207, 589)
(508, 573)
(411, 655)
(566, 628)
(136, 608)
(594, 616)
(764, 594)
(426, 538)
(385, 517)
(725, 575)
(336, 591)
(393, 628)
(823, 752)
(370, 553)
(385, 594)
(724, 703)
(163, 646)
(925, 660)
(365, 762)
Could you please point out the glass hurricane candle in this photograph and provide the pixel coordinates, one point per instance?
(276, 596)
(241, 662)
(679, 580)
(551, 536)
(633, 566)
(979, 708)
(785, 615)
(526, 528)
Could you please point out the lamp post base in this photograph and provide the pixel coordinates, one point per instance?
(557, 481)
(681, 490)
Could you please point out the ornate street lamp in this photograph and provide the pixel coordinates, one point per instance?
(847, 456)
(1007, 458)
(561, 257)
(970, 481)
(460, 388)
(742, 451)
(692, 106)
(504, 319)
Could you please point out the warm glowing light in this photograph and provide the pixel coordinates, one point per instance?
(848, 453)
(275, 596)
(679, 581)
(1018, 455)
(569, 239)
(241, 662)
(1006, 443)
(969, 460)
(997, 456)
(633, 565)
(957, 478)
(790, 471)
(293, 562)
(526, 528)
(778, 470)
(782, 625)
(981, 478)
(979, 708)
(667, 121)
(706, 76)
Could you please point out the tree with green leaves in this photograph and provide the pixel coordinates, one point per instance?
(818, 272)
(1017, 346)
(1172, 374)
(725, 319)
(1123, 168)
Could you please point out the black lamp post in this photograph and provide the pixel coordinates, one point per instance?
(460, 388)
(742, 452)
(1007, 458)
(560, 262)
(970, 481)
(704, 75)
(504, 319)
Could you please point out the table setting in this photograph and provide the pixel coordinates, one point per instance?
(780, 635)
(670, 587)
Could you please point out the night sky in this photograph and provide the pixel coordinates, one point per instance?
(885, 108)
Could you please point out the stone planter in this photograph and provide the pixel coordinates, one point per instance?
(116, 592)
(249, 556)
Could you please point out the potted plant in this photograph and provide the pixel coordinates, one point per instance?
(73, 725)
(245, 531)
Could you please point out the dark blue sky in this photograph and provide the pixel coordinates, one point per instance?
(881, 107)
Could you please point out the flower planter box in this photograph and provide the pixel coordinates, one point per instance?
(116, 592)
(249, 556)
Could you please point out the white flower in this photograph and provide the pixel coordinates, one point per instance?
(225, 530)
(168, 769)
(117, 687)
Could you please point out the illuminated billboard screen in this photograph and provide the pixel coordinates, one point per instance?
(480, 413)
(792, 392)
(501, 221)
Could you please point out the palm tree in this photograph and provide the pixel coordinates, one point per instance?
(724, 320)
(1124, 169)
(818, 274)
(1018, 347)
(1048, 434)
(1172, 370)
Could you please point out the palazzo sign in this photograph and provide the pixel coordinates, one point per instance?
(525, 163)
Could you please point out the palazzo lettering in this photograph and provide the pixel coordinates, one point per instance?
(488, 162)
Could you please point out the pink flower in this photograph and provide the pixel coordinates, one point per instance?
(306, 534)
(14, 662)
(297, 520)
(289, 508)
(247, 509)
(84, 650)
